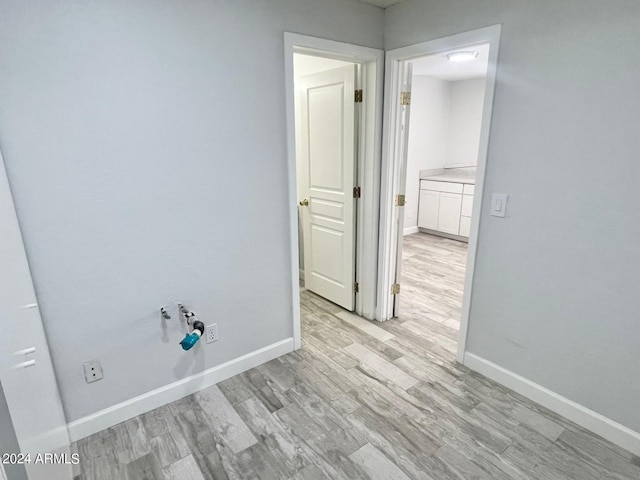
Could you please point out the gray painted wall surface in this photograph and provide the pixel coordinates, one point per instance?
(465, 122)
(145, 142)
(556, 285)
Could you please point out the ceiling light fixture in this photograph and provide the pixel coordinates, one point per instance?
(462, 56)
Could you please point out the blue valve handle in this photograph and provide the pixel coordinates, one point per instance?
(189, 341)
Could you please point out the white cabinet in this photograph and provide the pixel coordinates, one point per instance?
(465, 226)
(449, 213)
(428, 209)
(467, 205)
(467, 209)
(445, 207)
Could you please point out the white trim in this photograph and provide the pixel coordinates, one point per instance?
(387, 254)
(372, 61)
(592, 421)
(49, 441)
(55, 471)
(388, 212)
(492, 34)
(33, 399)
(108, 417)
(410, 230)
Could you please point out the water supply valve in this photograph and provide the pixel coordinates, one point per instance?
(192, 338)
(197, 328)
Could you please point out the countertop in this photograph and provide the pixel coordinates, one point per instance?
(454, 175)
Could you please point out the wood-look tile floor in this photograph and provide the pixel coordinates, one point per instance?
(361, 400)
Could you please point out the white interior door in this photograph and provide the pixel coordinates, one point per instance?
(26, 371)
(401, 183)
(327, 177)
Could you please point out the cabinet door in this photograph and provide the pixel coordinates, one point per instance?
(465, 226)
(449, 213)
(428, 209)
(467, 205)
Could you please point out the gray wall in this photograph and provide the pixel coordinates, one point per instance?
(465, 121)
(556, 286)
(145, 143)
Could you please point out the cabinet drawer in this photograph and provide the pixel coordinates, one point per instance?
(469, 189)
(467, 205)
(441, 186)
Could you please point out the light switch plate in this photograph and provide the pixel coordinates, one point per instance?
(499, 204)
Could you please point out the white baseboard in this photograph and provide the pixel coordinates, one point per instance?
(55, 471)
(599, 424)
(47, 442)
(410, 230)
(108, 417)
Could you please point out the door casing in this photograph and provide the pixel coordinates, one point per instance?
(368, 164)
(26, 370)
(393, 165)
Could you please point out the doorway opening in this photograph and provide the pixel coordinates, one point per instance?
(327, 115)
(447, 99)
(334, 123)
(435, 149)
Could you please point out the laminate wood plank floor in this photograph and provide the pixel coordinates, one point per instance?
(361, 400)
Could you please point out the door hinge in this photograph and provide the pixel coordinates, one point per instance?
(356, 192)
(358, 96)
(405, 98)
(400, 200)
(395, 289)
(356, 287)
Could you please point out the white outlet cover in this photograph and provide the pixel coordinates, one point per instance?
(211, 333)
(92, 371)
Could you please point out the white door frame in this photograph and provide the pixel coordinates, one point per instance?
(372, 61)
(391, 166)
(24, 352)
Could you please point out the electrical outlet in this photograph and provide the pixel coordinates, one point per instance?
(211, 332)
(92, 371)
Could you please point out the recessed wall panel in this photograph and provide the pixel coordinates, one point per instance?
(327, 209)
(327, 256)
(325, 137)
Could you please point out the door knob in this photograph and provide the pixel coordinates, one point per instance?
(304, 203)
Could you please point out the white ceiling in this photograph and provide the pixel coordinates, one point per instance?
(382, 3)
(439, 66)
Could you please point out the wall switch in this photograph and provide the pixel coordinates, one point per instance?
(499, 204)
(211, 333)
(92, 371)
